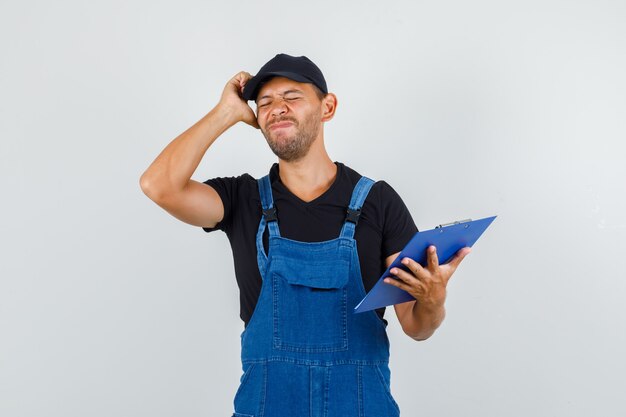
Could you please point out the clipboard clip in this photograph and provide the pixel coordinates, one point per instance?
(453, 223)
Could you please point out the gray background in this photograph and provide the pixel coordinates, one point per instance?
(110, 306)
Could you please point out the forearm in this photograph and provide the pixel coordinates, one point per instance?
(172, 169)
(421, 320)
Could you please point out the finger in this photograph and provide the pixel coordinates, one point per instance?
(433, 259)
(417, 269)
(245, 77)
(404, 276)
(242, 78)
(399, 284)
(459, 256)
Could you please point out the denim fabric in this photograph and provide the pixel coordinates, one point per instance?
(304, 352)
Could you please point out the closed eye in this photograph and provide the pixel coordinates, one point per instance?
(289, 99)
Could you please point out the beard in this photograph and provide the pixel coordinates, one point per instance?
(295, 147)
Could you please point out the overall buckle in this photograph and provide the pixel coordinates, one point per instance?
(270, 214)
(353, 215)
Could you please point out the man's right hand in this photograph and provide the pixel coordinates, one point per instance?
(167, 181)
(232, 100)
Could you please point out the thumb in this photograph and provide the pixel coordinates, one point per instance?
(460, 255)
(250, 117)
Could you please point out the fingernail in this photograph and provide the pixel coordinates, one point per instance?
(405, 261)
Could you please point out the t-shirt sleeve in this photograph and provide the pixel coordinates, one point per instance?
(226, 187)
(398, 224)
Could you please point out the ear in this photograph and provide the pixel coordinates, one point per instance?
(329, 106)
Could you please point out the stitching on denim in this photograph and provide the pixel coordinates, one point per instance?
(311, 399)
(275, 301)
(386, 388)
(326, 389)
(317, 362)
(244, 380)
(359, 377)
(263, 391)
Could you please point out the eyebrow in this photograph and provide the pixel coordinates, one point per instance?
(284, 92)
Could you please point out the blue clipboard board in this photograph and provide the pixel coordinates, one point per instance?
(447, 238)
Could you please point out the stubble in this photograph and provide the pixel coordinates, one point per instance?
(290, 146)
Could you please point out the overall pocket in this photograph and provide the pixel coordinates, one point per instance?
(310, 305)
(377, 398)
(251, 391)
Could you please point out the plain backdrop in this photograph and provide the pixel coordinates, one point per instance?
(109, 306)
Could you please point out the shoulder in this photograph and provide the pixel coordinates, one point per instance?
(243, 179)
(380, 192)
(230, 188)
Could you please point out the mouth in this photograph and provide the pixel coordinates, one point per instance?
(280, 125)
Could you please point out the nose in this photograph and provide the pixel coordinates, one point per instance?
(278, 107)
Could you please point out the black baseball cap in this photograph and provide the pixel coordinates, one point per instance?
(297, 68)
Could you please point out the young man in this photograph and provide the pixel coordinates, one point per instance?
(309, 240)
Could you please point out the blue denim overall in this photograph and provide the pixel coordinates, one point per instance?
(304, 352)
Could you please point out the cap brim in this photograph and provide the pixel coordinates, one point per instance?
(251, 89)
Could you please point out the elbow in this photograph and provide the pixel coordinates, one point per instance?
(148, 187)
(421, 336)
(145, 184)
(422, 331)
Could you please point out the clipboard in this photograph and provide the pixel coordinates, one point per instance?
(448, 238)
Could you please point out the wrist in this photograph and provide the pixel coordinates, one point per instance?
(429, 306)
(225, 115)
(429, 314)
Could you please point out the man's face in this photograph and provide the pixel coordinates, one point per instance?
(289, 115)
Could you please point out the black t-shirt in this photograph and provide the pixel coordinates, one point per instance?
(385, 225)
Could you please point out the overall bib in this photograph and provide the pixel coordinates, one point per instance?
(304, 352)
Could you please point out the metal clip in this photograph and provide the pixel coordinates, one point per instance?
(453, 223)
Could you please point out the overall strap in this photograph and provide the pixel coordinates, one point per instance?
(359, 194)
(268, 218)
(267, 201)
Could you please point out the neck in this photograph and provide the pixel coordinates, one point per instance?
(309, 177)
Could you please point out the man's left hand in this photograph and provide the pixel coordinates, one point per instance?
(427, 284)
